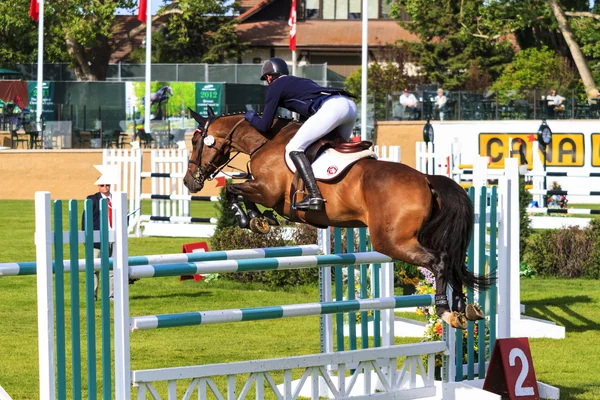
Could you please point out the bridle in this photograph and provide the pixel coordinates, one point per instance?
(204, 173)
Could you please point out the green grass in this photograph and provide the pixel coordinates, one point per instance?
(571, 364)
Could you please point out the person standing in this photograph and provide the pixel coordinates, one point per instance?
(440, 103)
(103, 193)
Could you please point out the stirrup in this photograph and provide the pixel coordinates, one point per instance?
(309, 203)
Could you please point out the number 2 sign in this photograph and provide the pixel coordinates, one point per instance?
(511, 370)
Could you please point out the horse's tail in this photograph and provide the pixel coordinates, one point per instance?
(449, 230)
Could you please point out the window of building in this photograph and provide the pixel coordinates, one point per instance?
(312, 8)
(343, 9)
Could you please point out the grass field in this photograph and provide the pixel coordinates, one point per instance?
(571, 364)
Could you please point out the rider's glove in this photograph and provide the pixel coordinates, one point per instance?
(249, 115)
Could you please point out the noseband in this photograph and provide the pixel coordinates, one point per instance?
(204, 173)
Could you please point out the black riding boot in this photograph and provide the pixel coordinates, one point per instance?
(314, 200)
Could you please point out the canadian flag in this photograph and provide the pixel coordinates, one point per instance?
(141, 11)
(34, 10)
(292, 24)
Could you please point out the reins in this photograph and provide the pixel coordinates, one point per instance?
(202, 171)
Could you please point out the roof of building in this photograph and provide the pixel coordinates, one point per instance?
(124, 25)
(311, 34)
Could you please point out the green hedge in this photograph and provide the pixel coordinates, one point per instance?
(566, 253)
(230, 238)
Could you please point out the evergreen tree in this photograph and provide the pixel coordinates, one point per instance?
(226, 217)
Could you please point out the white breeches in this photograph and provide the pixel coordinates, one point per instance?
(336, 112)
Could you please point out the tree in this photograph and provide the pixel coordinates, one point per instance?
(18, 35)
(202, 33)
(447, 53)
(82, 32)
(385, 76)
(497, 21)
(534, 69)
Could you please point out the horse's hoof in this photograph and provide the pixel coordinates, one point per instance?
(474, 313)
(455, 320)
(259, 225)
(269, 215)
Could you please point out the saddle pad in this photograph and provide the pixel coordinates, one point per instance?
(331, 163)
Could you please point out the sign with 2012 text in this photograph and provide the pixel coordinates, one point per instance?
(209, 94)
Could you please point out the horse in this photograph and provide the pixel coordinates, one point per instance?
(159, 97)
(424, 220)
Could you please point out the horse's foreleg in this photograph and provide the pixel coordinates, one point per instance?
(254, 212)
(251, 192)
(236, 208)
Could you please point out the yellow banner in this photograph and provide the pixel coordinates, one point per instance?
(595, 150)
(566, 149)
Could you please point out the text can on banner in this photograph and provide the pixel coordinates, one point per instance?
(511, 372)
(194, 248)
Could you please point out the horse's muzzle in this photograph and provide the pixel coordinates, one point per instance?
(194, 184)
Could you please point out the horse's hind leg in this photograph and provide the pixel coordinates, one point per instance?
(459, 304)
(454, 318)
(412, 252)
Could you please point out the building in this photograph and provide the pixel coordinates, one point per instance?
(327, 31)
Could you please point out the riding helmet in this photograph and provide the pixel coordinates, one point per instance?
(274, 66)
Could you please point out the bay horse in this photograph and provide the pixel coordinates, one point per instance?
(424, 220)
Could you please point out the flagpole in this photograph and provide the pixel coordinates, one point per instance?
(294, 62)
(148, 65)
(40, 67)
(363, 91)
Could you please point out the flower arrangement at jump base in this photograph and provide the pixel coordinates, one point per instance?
(433, 328)
(557, 200)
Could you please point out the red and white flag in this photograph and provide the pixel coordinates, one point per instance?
(34, 10)
(292, 24)
(142, 11)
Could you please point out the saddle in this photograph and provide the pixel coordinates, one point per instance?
(331, 140)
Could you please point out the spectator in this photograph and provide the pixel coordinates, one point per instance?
(555, 103)
(440, 103)
(409, 104)
(103, 193)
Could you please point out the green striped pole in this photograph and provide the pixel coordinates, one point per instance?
(75, 320)
(276, 312)
(351, 294)
(339, 294)
(364, 294)
(493, 268)
(105, 301)
(89, 297)
(270, 264)
(59, 283)
(481, 272)
(29, 267)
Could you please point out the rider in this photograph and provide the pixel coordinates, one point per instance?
(325, 108)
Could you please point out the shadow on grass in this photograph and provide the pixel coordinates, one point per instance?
(174, 294)
(567, 393)
(573, 321)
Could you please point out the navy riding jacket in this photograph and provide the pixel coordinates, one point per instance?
(295, 94)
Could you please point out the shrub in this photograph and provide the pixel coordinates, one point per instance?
(566, 253)
(224, 213)
(525, 230)
(234, 238)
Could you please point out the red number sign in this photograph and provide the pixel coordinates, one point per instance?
(192, 248)
(511, 370)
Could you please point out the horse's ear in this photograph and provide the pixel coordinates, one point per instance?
(211, 113)
(199, 118)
